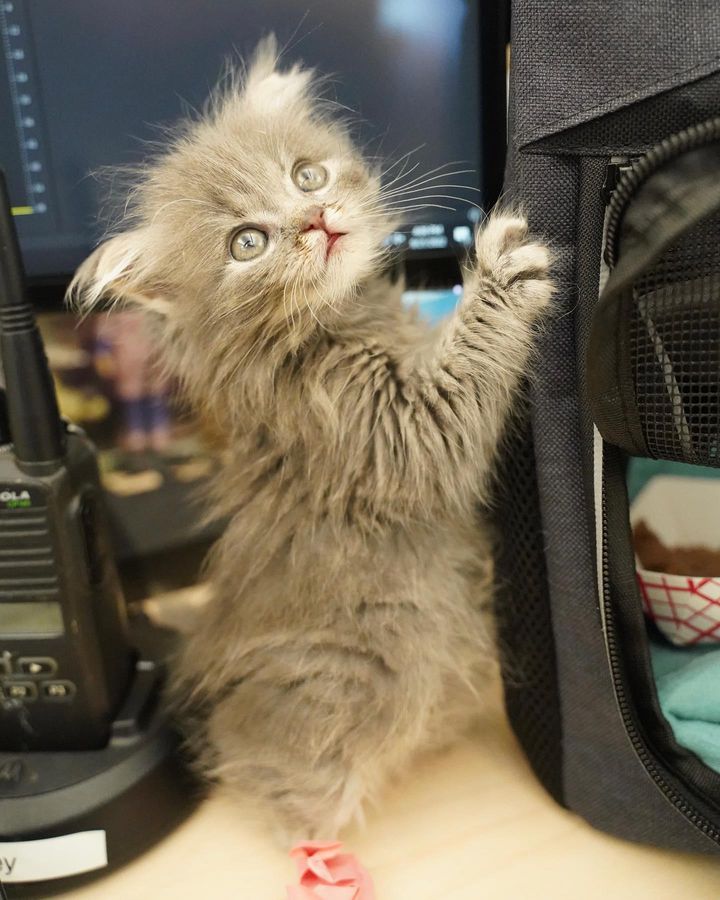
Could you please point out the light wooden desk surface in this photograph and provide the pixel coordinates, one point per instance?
(470, 824)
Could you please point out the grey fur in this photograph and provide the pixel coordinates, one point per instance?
(349, 627)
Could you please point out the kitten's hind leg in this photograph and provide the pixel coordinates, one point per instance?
(315, 729)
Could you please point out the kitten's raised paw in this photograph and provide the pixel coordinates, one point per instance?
(517, 266)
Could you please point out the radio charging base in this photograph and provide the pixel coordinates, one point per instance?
(76, 816)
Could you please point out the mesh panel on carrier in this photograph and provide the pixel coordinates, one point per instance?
(675, 348)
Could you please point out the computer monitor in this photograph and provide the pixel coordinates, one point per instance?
(83, 85)
(85, 82)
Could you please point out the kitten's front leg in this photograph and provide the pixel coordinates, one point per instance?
(487, 346)
(420, 438)
(448, 415)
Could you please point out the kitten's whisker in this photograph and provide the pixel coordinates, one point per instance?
(405, 209)
(444, 197)
(403, 173)
(290, 284)
(294, 302)
(373, 203)
(430, 171)
(404, 157)
(437, 172)
(432, 187)
(400, 204)
(288, 315)
(312, 313)
(418, 183)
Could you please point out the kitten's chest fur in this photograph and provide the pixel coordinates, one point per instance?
(305, 534)
(300, 479)
(305, 422)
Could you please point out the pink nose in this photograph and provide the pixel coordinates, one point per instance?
(315, 219)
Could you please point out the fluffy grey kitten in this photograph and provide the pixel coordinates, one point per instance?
(349, 627)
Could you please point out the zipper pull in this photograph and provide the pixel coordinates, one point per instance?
(613, 174)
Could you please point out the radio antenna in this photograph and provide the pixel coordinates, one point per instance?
(36, 428)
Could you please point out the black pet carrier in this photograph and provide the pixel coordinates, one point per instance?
(615, 154)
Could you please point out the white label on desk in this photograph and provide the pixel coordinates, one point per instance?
(58, 857)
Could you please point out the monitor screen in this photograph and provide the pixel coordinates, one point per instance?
(84, 84)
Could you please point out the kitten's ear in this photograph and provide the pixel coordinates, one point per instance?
(117, 270)
(269, 90)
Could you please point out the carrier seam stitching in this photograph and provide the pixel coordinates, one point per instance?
(542, 132)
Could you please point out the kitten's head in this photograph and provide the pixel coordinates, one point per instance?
(261, 212)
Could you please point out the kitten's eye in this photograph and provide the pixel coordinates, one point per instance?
(310, 176)
(247, 243)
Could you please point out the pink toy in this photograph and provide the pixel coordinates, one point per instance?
(328, 874)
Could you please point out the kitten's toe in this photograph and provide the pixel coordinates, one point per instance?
(500, 233)
(519, 267)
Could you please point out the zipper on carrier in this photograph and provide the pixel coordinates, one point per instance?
(629, 180)
(624, 706)
(622, 178)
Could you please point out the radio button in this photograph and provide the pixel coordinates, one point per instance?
(57, 690)
(19, 690)
(37, 666)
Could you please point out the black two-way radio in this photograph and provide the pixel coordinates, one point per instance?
(65, 660)
(90, 768)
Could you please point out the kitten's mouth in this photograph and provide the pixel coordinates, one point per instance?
(332, 238)
(318, 223)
